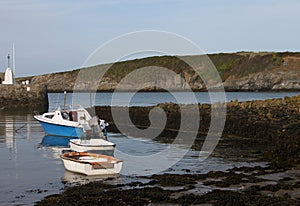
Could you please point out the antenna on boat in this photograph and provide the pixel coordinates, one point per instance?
(65, 99)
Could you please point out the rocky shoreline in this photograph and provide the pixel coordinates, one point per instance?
(262, 130)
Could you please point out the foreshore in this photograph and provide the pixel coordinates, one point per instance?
(259, 130)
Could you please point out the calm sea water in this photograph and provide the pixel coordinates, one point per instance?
(153, 98)
(31, 170)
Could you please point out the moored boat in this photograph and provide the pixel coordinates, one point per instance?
(74, 121)
(92, 145)
(91, 164)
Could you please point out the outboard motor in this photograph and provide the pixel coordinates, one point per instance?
(96, 128)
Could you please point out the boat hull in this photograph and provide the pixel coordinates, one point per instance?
(92, 145)
(91, 168)
(62, 130)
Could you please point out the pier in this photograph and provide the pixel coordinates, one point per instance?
(23, 97)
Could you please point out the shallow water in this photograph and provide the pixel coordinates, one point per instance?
(30, 171)
(24, 166)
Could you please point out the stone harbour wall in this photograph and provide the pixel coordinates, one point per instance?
(20, 96)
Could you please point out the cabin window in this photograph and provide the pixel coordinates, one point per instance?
(49, 116)
(65, 115)
(73, 116)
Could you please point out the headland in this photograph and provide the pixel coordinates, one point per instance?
(241, 71)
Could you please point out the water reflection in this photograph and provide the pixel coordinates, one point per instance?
(74, 178)
(12, 126)
(54, 145)
(22, 164)
(52, 141)
(9, 133)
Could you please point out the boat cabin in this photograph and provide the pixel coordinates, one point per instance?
(79, 115)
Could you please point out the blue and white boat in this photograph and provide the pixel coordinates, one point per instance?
(73, 121)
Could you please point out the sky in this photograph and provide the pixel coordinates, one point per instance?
(59, 35)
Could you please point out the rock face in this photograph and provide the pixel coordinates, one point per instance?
(238, 71)
(284, 77)
(17, 96)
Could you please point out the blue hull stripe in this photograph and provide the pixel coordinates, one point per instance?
(60, 130)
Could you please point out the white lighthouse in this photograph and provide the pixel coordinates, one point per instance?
(8, 77)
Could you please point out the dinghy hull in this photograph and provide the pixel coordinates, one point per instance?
(91, 145)
(91, 164)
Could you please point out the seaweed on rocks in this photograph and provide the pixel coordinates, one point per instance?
(93, 195)
(182, 189)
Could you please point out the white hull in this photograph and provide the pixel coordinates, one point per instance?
(91, 164)
(91, 145)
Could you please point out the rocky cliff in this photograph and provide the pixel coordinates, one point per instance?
(243, 71)
(283, 76)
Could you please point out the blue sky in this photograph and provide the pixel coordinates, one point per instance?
(58, 35)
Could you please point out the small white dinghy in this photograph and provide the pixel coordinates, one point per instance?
(91, 164)
(92, 145)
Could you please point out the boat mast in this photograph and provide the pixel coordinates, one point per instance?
(65, 99)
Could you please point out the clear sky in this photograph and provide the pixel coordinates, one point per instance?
(58, 35)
